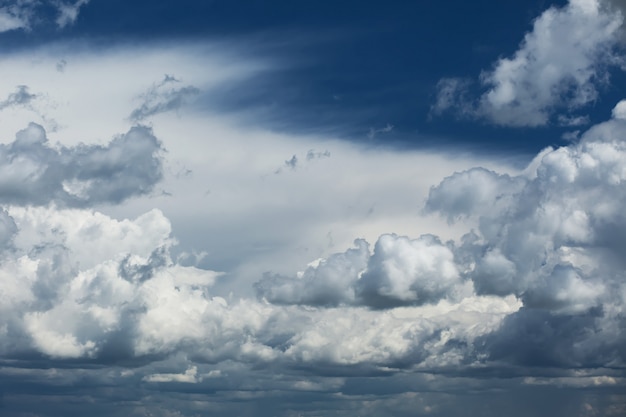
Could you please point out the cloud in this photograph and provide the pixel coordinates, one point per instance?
(401, 271)
(68, 12)
(21, 97)
(556, 70)
(100, 307)
(33, 172)
(81, 286)
(22, 14)
(188, 377)
(551, 237)
(619, 111)
(16, 15)
(374, 132)
(162, 98)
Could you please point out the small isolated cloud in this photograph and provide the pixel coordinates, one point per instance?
(163, 97)
(34, 172)
(60, 66)
(374, 132)
(557, 69)
(21, 97)
(294, 162)
(312, 154)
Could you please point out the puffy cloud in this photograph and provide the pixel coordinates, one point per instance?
(404, 271)
(326, 282)
(128, 300)
(80, 284)
(34, 172)
(554, 237)
(401, 271)
(556, 69)
(551, 236)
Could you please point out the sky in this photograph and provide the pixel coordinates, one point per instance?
(311, 209)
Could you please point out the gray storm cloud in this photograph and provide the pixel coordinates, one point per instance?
(32, 171)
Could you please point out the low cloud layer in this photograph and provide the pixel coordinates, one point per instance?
(557, 70)
(35, 172)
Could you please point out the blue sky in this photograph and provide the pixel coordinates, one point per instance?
(312, 208)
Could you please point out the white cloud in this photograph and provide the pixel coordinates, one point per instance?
(22, 14)
(556, 70)
(189, 377)
(101, 285)
(619, 111)
(68, 11)
(17, 15)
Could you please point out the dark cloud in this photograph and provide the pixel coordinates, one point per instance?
(34, 172)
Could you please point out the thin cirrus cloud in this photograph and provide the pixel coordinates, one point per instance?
(557, 70)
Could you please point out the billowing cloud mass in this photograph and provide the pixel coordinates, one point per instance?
(557, 70)
(551, 237)
(34, 172)
(533, 295)
(539, 282)
(168, 272)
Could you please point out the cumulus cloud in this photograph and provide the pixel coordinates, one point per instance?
(77, 282)
(556, 70)
(129, 301)
(551, 236)
(34, 172)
